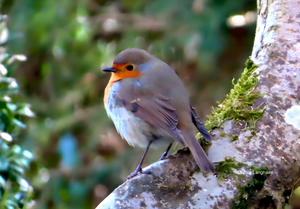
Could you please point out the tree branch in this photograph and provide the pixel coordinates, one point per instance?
(175, 183)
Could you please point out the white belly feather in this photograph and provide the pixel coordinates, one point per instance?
(129, 127)
(132, 128)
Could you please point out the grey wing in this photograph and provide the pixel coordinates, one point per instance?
(154, 109)
(198, 123)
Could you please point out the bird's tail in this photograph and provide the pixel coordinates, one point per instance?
(198, 153)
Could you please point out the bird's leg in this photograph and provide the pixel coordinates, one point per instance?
(166, 152)
(139, 168)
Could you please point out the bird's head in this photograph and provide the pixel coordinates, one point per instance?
(130, 63)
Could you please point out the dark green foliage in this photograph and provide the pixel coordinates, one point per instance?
(14, 160)
(287, 195)
(233, 137)
(247, 192)
(224, 168)
(13, 165)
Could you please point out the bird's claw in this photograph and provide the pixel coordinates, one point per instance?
(163, 157)
(136, 172)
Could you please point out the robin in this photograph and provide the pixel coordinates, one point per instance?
(149, 105)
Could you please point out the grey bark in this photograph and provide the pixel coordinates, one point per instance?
(174, 182)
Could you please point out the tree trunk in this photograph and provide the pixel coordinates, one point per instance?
(275, 144)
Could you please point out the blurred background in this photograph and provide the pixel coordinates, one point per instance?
(63, 151)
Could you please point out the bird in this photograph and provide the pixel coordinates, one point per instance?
(150, 106)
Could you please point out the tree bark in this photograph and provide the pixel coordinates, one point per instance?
(175, 183)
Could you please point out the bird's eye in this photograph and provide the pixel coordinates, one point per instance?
(129, 68)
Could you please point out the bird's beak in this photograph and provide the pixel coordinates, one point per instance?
(109, 69)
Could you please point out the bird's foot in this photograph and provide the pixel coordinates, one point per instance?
(136, 172)
(164, 156)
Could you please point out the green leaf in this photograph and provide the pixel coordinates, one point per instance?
(11, 107)
(24, 184)
(16, 149)
(25, 111)
(3, 147)
(4, 164)
(7, 113)
(2, 104)
(12, 203)
(2, 126)
(6, 136)
(6, 80)
(13, 175)
(18, 123)
(27, 154)
(2, 182)
(23, 162)
(17, 168)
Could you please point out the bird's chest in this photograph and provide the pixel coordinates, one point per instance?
(130, 127)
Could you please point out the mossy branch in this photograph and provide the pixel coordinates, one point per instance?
(238, 104)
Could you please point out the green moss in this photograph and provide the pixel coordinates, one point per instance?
(198, 169)
(247, 192)
(204, 143)
(238, 104)
(224, 168)
(188, 186)
(222, 134)
(233, 137)
(253, 133)
(287, 195)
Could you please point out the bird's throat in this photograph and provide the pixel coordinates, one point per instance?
(117, 76)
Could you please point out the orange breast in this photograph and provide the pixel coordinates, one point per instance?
(117, 76)
(106, 91)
